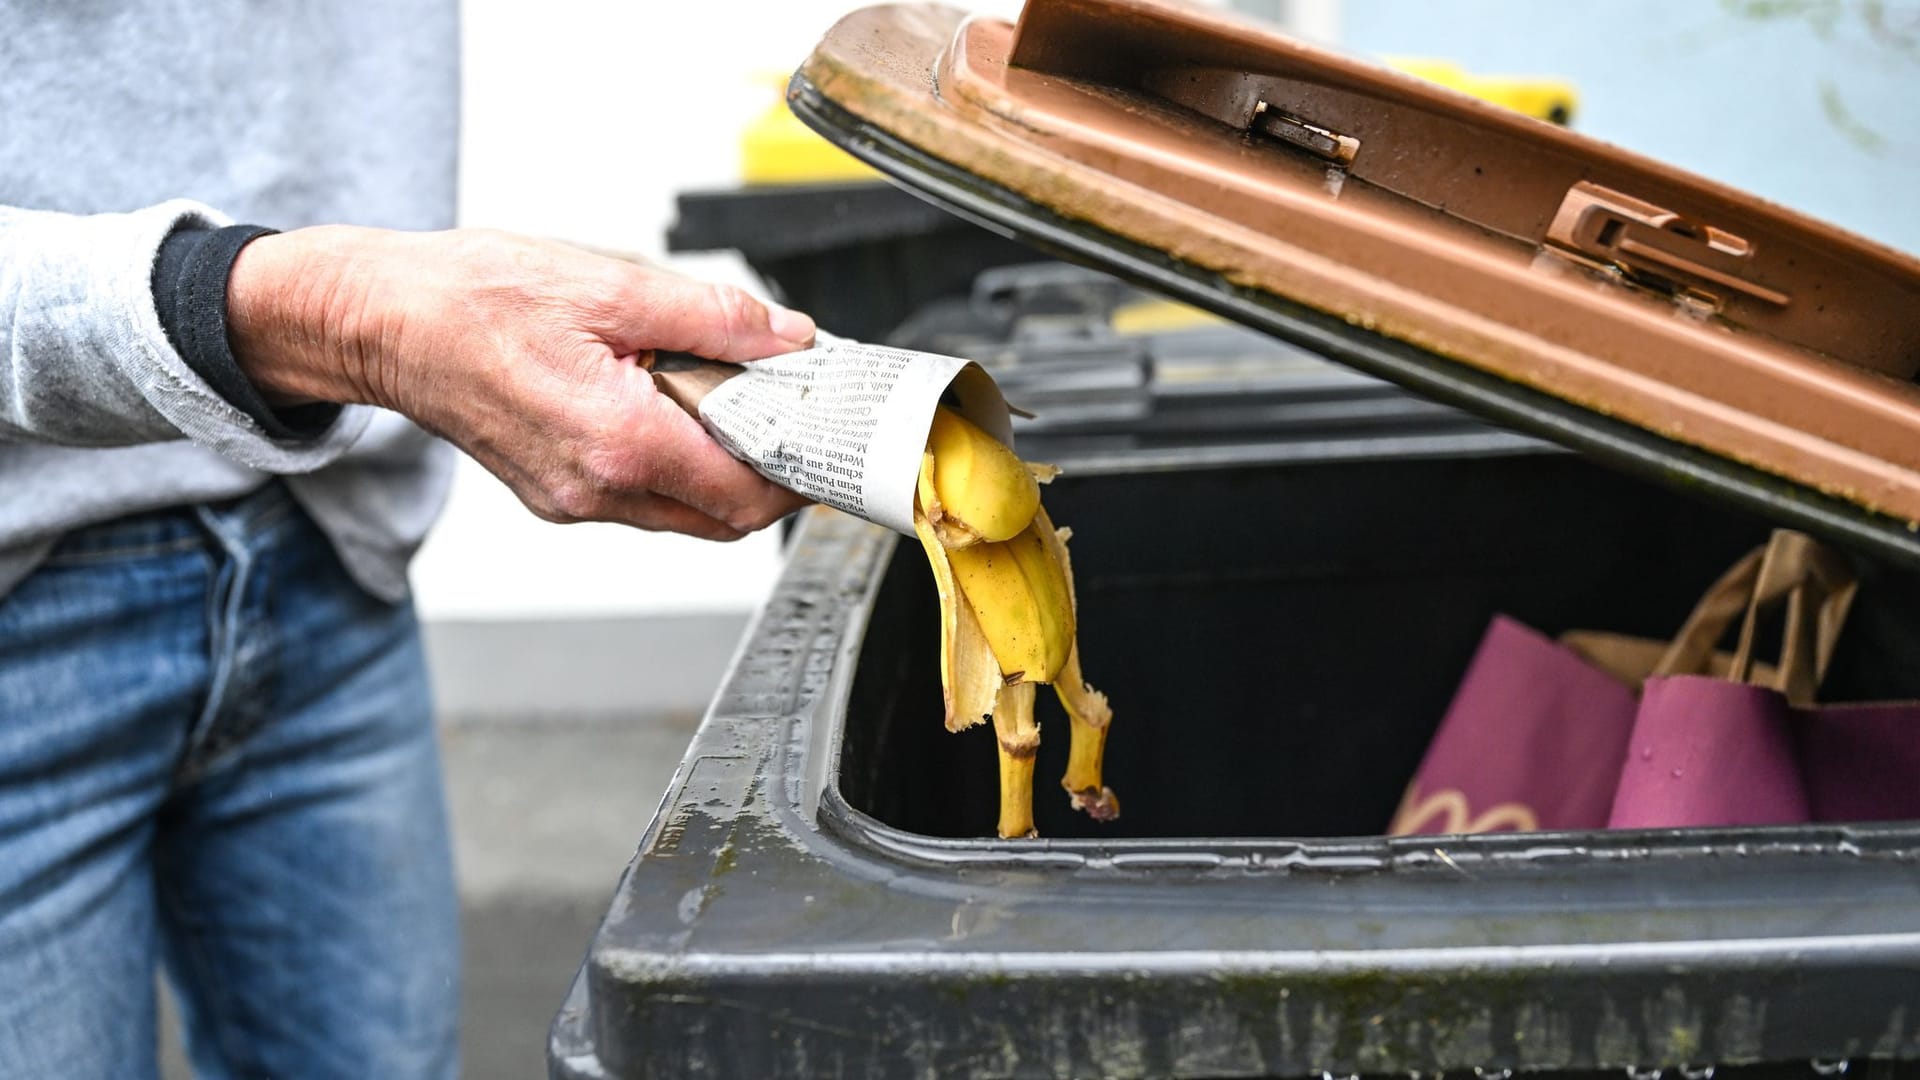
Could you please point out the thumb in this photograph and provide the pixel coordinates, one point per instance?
(662, 310)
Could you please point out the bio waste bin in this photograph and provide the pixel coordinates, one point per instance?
(1283, 570)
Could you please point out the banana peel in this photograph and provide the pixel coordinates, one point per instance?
(1024, 604)
(1008, 621)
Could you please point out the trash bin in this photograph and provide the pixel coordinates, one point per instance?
(1283, 571)
(814, 898)
(1280, 609)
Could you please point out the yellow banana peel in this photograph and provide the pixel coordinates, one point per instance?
(1019, 593)
(969, 675)
(1008, 615)
(985, 492)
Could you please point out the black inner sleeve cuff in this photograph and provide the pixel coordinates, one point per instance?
(190, 292)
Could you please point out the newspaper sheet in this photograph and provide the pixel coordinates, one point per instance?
(844, 423)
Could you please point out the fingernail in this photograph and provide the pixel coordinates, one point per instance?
(790, 325)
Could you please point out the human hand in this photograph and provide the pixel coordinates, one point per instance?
(527, 355)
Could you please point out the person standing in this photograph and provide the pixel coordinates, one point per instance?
(217, 454)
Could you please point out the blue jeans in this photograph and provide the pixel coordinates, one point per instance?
(217, 757)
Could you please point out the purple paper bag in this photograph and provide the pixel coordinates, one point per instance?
(1706, 752)
(1533, 740)
(1606, 731)
(1861, 762)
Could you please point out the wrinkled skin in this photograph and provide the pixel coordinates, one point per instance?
(527, 355)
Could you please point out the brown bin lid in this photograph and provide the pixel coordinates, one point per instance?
(1544, 278)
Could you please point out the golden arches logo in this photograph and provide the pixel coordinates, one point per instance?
(1446, 811)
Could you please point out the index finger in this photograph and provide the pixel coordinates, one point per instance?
(663, 311)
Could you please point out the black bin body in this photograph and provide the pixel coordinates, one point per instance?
(1278, 672)
(1280, 608)
(859, 256)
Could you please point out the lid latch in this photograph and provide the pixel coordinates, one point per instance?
(1316, 140)
(1656, 247)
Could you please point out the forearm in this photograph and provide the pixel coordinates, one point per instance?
(84, 358)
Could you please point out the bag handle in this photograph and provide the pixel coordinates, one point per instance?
(1817, 586)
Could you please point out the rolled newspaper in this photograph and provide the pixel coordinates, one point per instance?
(842, 423)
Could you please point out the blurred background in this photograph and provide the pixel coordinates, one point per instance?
(572, 663)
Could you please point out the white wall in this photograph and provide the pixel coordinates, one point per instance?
(582, 119)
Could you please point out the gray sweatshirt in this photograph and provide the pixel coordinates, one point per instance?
(113, 115)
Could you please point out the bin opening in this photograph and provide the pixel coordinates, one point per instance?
(1281, 641)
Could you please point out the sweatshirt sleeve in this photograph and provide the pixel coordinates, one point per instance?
(190, 277)
(85, 360)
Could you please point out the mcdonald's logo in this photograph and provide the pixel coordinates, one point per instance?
(1446, 811)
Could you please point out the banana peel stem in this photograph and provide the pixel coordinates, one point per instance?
(1088, 713)
(1017, 743)
(1088, 716)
